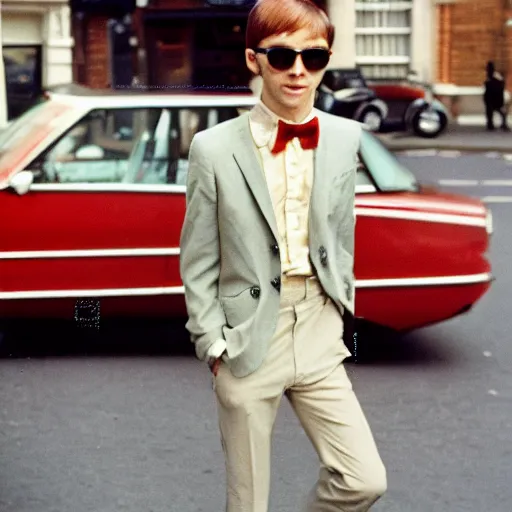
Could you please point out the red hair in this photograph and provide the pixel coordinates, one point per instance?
(271, 17)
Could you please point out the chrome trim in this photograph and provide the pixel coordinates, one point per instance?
(424, 281)
(180, 290)
(90, 253)
(130, 187)
(445, 218)
(109, 292)
(108, 187)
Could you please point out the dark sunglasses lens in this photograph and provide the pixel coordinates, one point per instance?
(315, 58)
(281, 58)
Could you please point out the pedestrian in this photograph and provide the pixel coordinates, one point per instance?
(267, 250)
(494, 97)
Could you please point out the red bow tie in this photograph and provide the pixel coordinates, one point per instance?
(308, 134)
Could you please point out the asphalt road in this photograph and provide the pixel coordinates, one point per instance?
(131, 426)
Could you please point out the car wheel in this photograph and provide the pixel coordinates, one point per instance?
(428, 122)
(372, 118)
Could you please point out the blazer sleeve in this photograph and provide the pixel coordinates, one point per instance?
(200, 253)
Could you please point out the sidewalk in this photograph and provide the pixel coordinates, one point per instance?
(469, 134)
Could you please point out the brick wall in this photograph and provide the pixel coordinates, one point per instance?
(472, 32)
(97, 53)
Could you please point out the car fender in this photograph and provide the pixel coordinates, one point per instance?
(440, 107)
(378, 104)
(413, 108)
(420, 103)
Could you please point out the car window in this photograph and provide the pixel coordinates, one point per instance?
(100, 148)
(137, 146)
(172, 139)
(24, 134)
(387, 172)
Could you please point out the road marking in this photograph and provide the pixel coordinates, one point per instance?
(458, 183)
(420, 152)
(449, 154)
(487, 353)
(496, 183)
(493, 392)
(497, 199)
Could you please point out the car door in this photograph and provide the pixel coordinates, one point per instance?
(88, 232)
(101, 224)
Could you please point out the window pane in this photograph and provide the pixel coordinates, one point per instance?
(106, 146)
(192, 121)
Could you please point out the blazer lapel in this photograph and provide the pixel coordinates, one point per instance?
(247, 159)
(318, 201)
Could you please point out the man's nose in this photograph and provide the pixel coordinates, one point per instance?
(298, 66)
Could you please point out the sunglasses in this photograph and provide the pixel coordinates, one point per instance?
(280, 58)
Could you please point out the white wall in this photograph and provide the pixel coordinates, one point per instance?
(343, 15)
(423, 39)
(46, 23)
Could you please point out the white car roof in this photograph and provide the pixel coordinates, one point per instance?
(144, 97)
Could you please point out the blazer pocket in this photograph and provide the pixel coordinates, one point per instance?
(238, 308)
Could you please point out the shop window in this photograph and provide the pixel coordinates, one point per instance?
(22, 77)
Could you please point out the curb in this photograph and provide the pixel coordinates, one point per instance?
(471, 145)
(414, 146)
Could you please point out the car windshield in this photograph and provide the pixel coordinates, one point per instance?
(20, 126)
(26, 132)
(389, 174)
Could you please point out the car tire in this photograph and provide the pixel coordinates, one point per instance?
(428, 122)
(371, 117)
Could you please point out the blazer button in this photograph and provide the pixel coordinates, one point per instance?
(255, 292)
(275, 249)
(348, 288)
(322, 252)
(276, 283)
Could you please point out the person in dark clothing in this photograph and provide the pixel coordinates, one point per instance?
(494, 97)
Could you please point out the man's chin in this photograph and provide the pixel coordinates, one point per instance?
(295, 102)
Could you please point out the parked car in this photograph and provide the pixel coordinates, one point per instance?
(92, 200)
(344, 92)
(411, 106)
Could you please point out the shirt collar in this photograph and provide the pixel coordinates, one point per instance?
(263, 122)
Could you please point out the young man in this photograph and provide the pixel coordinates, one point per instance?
(267, 262)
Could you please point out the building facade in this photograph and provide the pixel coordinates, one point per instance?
(201, 42)
(36, 48)
(469, 34)
(166, 43)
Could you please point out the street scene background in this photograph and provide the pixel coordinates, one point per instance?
(125, 420)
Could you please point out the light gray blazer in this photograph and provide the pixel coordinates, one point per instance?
(230, 265)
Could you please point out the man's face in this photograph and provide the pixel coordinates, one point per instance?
(289, 93)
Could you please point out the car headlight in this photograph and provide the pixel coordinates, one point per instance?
(488, 222)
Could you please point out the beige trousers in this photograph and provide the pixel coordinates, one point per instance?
(304, 362)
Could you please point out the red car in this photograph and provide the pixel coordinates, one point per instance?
(92, 199)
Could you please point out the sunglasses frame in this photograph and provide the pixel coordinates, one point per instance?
(266, 51)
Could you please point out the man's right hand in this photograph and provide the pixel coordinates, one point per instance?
(214, 366)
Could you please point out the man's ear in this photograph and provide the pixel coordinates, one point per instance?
(252, 62)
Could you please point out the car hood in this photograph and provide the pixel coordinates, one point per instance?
(428, 199)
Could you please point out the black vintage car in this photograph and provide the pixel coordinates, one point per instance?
(344, 92)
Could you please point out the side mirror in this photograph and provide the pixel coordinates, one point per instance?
(22, 181)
